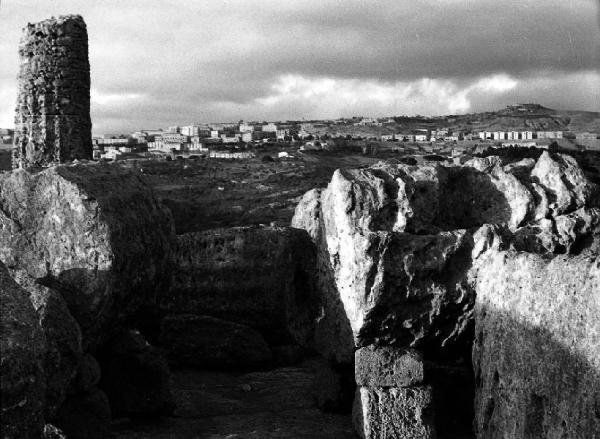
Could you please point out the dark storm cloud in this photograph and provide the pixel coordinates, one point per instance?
(158, 62)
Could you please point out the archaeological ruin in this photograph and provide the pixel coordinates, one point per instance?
(52, 121)
(404, 301)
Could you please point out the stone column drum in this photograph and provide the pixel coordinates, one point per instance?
(52, 121)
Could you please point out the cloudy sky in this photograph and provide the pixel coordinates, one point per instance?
(162, 62)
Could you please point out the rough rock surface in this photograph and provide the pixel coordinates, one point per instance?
(400, 250)
(399, 242)
(63, 341)
(537, 347)
(52, 122)
(94, 233)
(389, 413)
(136, 378)
(255, 276)
(211, 343)
(21, 372)
(386, 366)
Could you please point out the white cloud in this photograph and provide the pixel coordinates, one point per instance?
(330, 97)
(114, 99)
(8, 97)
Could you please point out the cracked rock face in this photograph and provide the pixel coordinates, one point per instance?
(410, 258)
(400, 240)
(94, 233)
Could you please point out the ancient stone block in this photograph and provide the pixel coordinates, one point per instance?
(94, 233)
(257, 276)
(21, 373)
(392, 412)
(211, 343)
(387, 366)
(52, 122)
(397, 241)
(537, 346)
(63, 340)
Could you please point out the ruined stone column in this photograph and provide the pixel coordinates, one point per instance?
(52, 121)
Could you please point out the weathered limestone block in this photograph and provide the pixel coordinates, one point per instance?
(21, 372)
(397, 240)
(394, 412)
(256, 276)
(63, 341)
(564, 181)
(537, 346)
(211, 343)
(94, 233)
(333, 334)
(52, 122)
(387, 366)
(136, 378)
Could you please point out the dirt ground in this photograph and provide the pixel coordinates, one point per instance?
(274, 404)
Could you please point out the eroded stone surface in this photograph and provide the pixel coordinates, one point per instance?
(398, 241)
(261, 277)
(52, 122)
(21, 371)
(392, 412)
(94, 233)
(63, 341)
(537, 347)
(387, 366)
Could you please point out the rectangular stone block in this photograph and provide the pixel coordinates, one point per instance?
(387, 366)
(394, 413)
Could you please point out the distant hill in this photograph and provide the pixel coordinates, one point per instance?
(521, 117)
(532, 117)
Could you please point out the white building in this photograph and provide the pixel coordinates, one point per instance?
(190, 130)
(270, 128)
(246, 137)
(245, 128)
(230, 139)
(549, 134)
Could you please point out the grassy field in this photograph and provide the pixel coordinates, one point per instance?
(212, 193)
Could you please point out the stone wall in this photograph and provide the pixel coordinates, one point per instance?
(52, 121)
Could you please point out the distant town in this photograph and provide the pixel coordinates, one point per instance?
(241, 139)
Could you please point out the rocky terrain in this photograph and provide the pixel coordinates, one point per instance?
(414, 301)
(413, 257)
